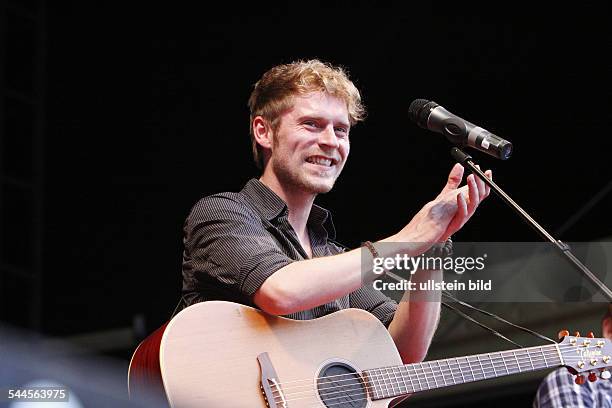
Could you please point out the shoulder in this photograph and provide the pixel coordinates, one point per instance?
(221, 205)
(558, 378)
(558, 389)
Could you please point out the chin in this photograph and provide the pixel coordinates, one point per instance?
(319, 186)
(307, 181)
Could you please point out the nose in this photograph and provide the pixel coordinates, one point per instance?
(328, 137)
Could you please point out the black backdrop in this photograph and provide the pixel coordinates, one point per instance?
(146, 113)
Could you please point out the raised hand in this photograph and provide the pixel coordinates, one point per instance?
(447, 213)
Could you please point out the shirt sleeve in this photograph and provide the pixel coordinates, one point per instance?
(375, 302)
(226, 242)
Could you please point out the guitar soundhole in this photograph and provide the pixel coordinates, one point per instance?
(340, 386)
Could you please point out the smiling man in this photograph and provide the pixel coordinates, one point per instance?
(269, 246)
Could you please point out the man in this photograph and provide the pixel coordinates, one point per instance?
(271, 247)
(559, 389)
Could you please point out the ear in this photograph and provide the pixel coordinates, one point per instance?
(262, 132)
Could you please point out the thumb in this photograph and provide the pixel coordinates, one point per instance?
(454, 178)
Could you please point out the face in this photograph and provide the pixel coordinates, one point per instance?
(311, 145)
(607, 327)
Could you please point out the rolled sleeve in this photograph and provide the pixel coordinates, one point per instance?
(226, 244)
(375, 302)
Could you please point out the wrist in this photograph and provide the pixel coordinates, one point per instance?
(377, 270)
(403, 244)
(441, 249)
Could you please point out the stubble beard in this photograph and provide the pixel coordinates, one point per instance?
(298, 179)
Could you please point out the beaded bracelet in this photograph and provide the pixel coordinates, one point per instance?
(373, 250)
(441, 250)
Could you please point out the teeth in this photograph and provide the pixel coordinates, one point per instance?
(319, 160)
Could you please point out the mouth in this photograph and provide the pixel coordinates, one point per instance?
(322, 161)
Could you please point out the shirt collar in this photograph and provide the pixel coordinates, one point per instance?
(270, 206)
(319, 216)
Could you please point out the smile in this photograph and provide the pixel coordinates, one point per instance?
(321, 161)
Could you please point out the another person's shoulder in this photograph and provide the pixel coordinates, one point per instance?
(560, 376)
(559, 389)
(555, 389)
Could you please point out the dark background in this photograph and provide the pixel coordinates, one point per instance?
(118, 118)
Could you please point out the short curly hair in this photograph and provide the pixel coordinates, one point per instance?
(272, 94)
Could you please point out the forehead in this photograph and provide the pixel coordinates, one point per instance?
(321, 105)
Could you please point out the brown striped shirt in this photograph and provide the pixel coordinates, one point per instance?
(235, 241)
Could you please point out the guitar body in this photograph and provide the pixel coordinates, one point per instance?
(208, 355)
(222, 354)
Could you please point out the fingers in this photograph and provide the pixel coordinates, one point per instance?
(462, 209)
(489, 175)
(454, 178)
(473, 194)
(483, 189)
(459, 218)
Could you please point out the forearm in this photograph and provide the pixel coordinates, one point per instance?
(302, 285)
(416, 319)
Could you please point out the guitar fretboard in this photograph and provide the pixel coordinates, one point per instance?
(389, 382)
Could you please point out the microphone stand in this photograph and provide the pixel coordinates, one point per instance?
(466, 160)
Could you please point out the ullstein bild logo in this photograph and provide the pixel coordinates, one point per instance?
(411, 264)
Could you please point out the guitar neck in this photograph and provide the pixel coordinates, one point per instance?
(389, 382)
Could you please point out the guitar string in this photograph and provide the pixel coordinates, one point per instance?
(483, 371)
(383, 374)
(426, 375)
(352, 400)
(427, 378)
(402, 393)
(347, 396)
(450, 372)
(451, 364)
(520, 353)
(550, 349)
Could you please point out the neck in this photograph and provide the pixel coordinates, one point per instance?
(401, 380)
(299, 202)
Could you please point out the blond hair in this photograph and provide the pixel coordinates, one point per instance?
(273, 93)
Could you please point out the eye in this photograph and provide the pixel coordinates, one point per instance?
(311, 123)
(341, 131)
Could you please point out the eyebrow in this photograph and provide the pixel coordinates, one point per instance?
(317, 117)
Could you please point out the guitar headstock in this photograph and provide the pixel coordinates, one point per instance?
(586, 354)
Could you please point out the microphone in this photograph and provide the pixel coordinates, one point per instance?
(430, 115)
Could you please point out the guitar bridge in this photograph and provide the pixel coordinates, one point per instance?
(270, 387)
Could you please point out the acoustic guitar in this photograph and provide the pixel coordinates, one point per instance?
(222, 354)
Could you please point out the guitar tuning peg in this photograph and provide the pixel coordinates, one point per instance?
(563, 333)
(577, 334)
(591, 335)
(605, 374)
(579, 379)
(592, 377)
